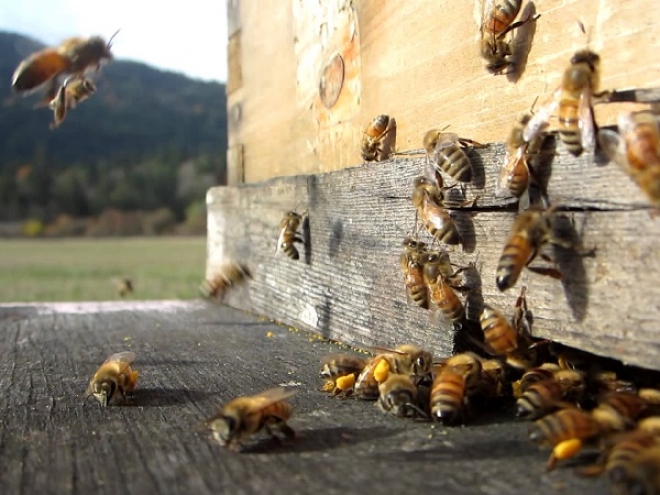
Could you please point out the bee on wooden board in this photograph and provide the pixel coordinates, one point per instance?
(459, 377)
(412, 262)
(564, 431)
(340, 372)
(636, 149)
(228, 274)
(531, 231)
(440, 279)
(74, 56)
(289, 234)
(427, 199)
(493, 378)
(534, 375)
(378, 139)
(248, 415)
(547, 395)
(445, 151)
(573, 102)
(497, 23)
(68, 96)
(638, 475)
(406, 359)
(115, 378)
(617, 411)
(398, 395)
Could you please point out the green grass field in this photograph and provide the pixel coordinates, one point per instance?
(85, 269)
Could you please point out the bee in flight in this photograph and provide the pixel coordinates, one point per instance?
(289, 234)
(573, 102)
(248, 415)
(114, 378)
(229, 274)
(636, 149)
(72, 57)
(378, 139)
(497, 23)
(68, 96)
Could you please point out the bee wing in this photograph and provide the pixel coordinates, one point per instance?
(346, 362)
(586, 122)
(487, 7)
(612, 143)
(539, 120)
(269, 397)
(507, 171)
(446, 139)
(280, 240)
(124, 357)
(37, 70)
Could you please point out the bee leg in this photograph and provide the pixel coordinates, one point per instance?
(469, 142)
(517, 24)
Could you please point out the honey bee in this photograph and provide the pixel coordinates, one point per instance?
(114, 378)
(515, 174)
(398, 394)
(427, 198)
(531, 231)
(289, 234)
(493, 378)
(406, 359)
(636, 149)
(376, 144)
(546, 395)
(440, 291)
(619, 451)
(124, 286)
(564, 431)
(573, 102)
(412, 262)
(458, 378)
(637, 473)
(498, 17)
(618, 410)
(445, 150)
(74, 56)
(230, 273)
(68, 97)
(544, 372)
(247, 415)
(340, 372)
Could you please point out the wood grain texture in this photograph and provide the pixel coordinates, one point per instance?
(418, 62)
(348, 285)
(194, 357)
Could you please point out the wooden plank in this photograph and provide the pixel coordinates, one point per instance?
(194, 357)
(417, 61)
(348, 285)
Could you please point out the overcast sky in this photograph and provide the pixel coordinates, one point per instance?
(188, 36)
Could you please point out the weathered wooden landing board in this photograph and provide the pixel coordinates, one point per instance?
(192, 358)
(348, 285)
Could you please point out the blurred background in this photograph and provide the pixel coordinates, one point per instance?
(117, 192)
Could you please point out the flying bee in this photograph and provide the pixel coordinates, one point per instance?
(445, 151)
(498, 17)
(459, 377)
(68, 97)
(406, 359)
(531, 231)
(74, 56)
(289, 234)
(547, 395)
(564, 431)
(515, 174)
(636, 149)
(114, 378)
(412, 262)
(340, 372)
(230, 273)
(378, 139)
(398, 394)
(573, 102)
(124, 286)
(618, 411)
(427, 199)
(248, 415)
(440, 287)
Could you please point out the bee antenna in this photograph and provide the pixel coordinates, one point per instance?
(112, 38)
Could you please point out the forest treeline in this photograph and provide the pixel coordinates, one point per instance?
(136, 158)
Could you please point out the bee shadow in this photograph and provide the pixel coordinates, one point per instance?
(336, 234)
(478, 180)
(522, 44)
(474, 301)
(570, 263)
(541, 171)
(318, 440)
(465, 226)
(307, 240)
(160, 396)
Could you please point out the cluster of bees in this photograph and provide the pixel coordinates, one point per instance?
(61, 72)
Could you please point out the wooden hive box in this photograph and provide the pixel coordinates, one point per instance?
(294, 142)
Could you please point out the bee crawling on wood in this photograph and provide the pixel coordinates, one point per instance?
(428, 200)
(248, 415)
(445, 152)
(114, 378)
(378, 140)
(289, 225)
(398, 395)
(441, 280)
(413, 258)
